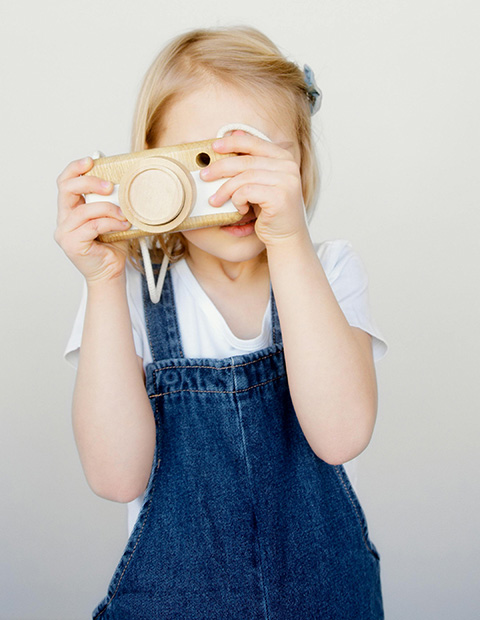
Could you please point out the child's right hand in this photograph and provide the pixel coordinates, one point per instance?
(79, 224)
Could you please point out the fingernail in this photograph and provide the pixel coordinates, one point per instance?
(85, 161)
(212, 199)
(204, 173)
(106, 184)
(217, 144)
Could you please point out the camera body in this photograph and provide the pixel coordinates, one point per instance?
(160, 190)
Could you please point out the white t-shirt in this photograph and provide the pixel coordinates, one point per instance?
(205, 333)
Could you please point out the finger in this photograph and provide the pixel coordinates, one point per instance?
(75, 168)
(72, 240)
(249, 177)
(101, 226)
(70, 191)
(95, 210)
(251, 195)
(231, 166)
(247, 144)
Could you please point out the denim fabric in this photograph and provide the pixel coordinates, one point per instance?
(241, 520)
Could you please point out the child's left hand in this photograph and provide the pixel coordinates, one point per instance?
(265, 176)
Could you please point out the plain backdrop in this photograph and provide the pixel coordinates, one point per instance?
(398, 139)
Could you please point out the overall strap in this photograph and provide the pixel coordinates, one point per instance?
(161, 322)
(276, 331)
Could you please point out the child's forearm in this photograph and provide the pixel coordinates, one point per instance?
(112, 418)
(329, 364)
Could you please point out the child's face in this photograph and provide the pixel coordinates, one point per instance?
(199, 116)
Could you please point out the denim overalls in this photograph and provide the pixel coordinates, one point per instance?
(241, 520)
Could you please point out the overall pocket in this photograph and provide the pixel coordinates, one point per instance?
(352, 497)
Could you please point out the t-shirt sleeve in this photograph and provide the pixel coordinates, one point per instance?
(134, 298)
(349, 282)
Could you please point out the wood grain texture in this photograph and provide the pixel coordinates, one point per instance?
(204, 221)
(190, 155)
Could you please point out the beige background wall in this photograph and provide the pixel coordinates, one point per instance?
(398, 138)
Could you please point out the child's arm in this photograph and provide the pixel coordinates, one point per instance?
(112, 418)
(329, 364)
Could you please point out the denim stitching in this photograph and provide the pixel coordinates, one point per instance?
(147, 325)
(359, 518)
(217, 367)
(217, 391)
(274, 335)
(174, 327)
(135, 547)
(252, 499)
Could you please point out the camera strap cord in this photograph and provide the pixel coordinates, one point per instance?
(155, 288)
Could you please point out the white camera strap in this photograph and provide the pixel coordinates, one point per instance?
(241, 127)
(155, 288)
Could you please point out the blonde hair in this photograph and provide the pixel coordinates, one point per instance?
(237, 56)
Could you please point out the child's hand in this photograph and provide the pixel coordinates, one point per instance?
(79, 224)
(266, 176)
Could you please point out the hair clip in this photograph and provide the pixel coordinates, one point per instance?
(313, 92)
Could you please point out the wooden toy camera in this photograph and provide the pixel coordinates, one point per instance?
(160, 190)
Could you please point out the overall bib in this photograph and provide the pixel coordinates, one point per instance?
(241, 520)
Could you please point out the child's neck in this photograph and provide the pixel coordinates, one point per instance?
(207, 267)
(240, 291)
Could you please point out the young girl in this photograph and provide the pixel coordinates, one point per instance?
(228, 407)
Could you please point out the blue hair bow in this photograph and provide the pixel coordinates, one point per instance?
(314, 93)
